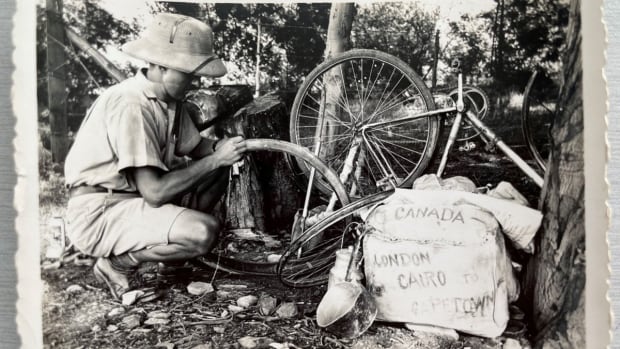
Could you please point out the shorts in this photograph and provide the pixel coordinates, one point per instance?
(104, 224)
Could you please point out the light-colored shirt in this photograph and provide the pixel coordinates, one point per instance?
(129, 125)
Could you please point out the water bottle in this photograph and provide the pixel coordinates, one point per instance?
(339, 270)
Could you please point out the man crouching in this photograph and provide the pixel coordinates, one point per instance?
(129, 203)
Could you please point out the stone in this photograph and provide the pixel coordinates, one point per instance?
(131, 297)
(232, 287)
(235, 308)
(435, 330)
(203, 346)
(131, 321)
(274, 258)
(141, 330)
(223, 294)
(511, 343)
(75, 289)
(219, 329)
(156, 321)
(158, 314)
(287, 310)
(247, 301)
(249, 342)
(165, 345)
(198, 288)
(96, 328)
(116, 312)
(112, 328)
(267, 304)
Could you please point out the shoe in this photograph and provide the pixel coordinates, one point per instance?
(173, 269)
(102, 271)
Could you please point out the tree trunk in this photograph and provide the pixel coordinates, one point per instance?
(56, 76)
(264, 196)
(556, 274)
(339, 29)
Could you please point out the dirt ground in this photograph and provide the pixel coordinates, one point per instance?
(78, 312)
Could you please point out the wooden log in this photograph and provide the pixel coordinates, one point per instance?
(264, 196)
(555, 278)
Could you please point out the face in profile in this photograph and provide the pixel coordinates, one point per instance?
(176, 82)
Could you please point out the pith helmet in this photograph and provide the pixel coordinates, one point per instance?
(178, 42)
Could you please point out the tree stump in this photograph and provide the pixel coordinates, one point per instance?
(264, 196)
(555, 279)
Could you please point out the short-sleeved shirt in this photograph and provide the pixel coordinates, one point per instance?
(129, 125)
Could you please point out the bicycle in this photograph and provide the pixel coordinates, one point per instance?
(293, 268)
(375, 99)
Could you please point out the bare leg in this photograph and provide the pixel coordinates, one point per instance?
(192, 234)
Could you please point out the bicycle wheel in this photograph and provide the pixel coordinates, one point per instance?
(478, 101)
(537, 114)
(356, 89)
(247, 267)
(293, 273)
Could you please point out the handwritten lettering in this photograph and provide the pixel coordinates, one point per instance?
(445, 214)
(422, 280)
(476, 306)
(401, 259)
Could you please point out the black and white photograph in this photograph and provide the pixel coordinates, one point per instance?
(406, 174)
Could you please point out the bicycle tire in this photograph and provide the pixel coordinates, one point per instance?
(526, 127)
(236, 266)
(324, 264)
(371, 58)
(479, 101)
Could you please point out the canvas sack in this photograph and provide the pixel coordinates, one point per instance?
(437, 258)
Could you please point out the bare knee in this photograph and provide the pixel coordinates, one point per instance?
(196, 231)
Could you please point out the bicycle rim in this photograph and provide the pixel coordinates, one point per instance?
(309, 256)
(537, 114)
(296, 273)
(478, 101)
(358, 88)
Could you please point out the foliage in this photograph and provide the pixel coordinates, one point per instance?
(470, 43)
(410, 36)
(533, 36)
(292, 37)
(84, 78)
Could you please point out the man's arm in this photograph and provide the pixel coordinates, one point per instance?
(158, 187)
(204, 148)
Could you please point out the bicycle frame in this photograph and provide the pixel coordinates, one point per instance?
(487, 133)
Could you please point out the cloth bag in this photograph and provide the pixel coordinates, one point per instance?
(438, 257)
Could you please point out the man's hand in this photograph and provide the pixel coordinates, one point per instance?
(229, 150)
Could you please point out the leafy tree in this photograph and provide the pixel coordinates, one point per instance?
(469, 42)
(533, 35)
(402, 29)
(84, 78)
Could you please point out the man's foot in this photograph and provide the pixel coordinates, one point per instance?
(173, 270)
(116, 281)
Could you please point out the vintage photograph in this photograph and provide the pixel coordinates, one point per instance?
(312, 175)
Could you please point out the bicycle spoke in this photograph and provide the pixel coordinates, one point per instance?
(402, 136)
(378, 150)
(357, 88)
(318, 112)
(346, 98)
(390, 106)
(393, 153)
(382, 102)
(374, 82)
(393, 143)
(340, 102)
(334, 117)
